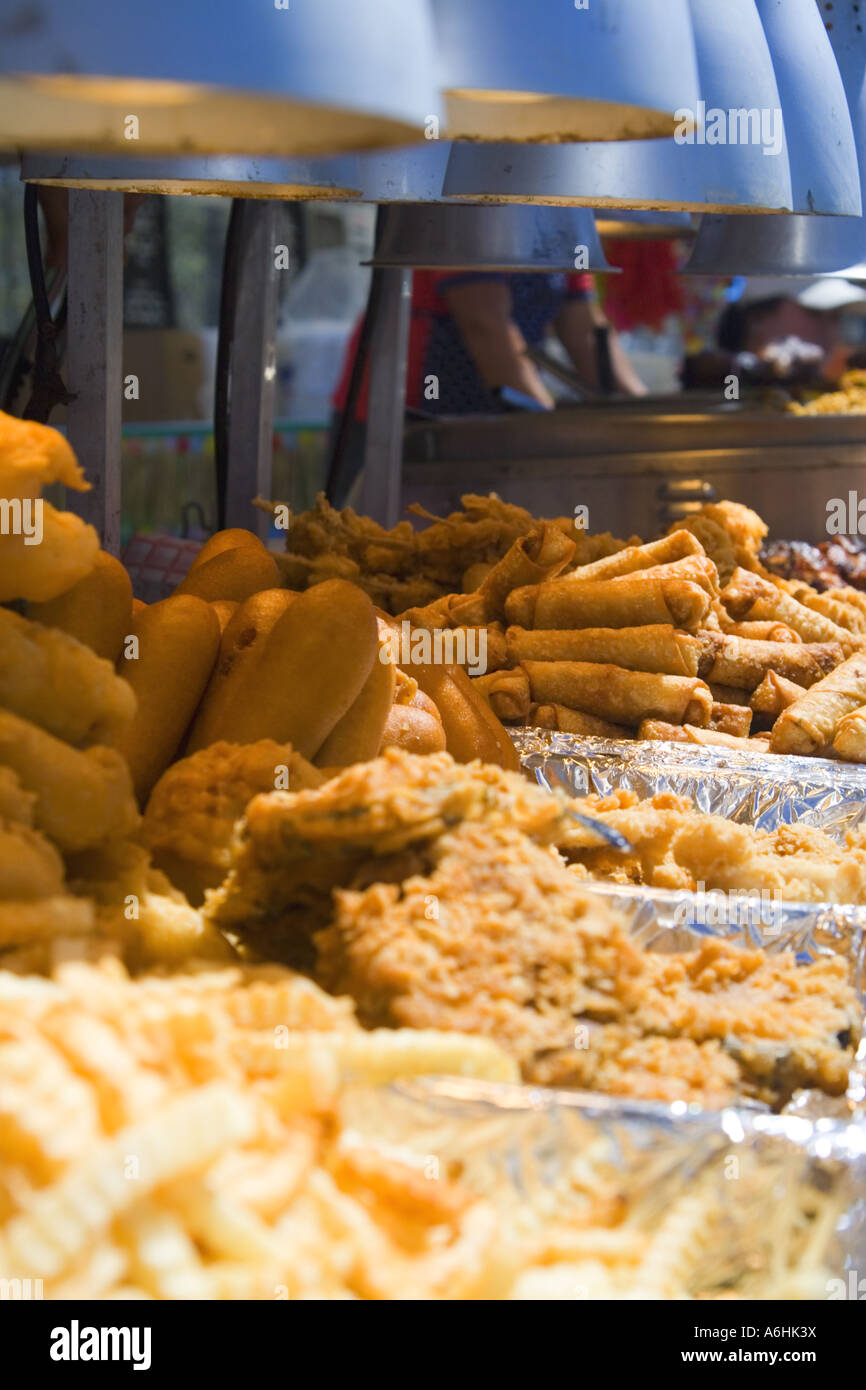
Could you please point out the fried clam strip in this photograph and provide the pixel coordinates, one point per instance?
(376, 820)
(519, 951)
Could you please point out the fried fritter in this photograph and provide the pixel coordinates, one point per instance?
(192, 810)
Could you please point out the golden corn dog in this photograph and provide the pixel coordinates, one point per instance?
(507, 693)
(221, 541)
(414, 729)
(357, 737)
(225, 609)
(850, 740)
(233, 574)
(655, 647)
(83, 798)
(315, 662)
(632, 600)
(97, 610)
(731, 719)
(574, 721)
(177, 643)
(471, 728)
(774, 694)
(808, 727)
(59, 683)
(39, 572)
(743, 663)
(621, 696)
(241, 645)
(676, 546)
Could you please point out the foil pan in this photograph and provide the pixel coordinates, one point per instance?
(735, 1202)
(764, 790)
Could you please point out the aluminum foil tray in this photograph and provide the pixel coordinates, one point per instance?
(764, 790)
(738, 1202)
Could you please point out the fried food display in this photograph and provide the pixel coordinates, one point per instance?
(435, 896)
(97, 610)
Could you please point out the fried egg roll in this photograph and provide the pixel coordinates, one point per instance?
(676, 546)
(774, 694)
(632, 600)
(621, 696)
(574, 721)
(656, 647)
(809, 726)
(743, 663)
(850, 740)
(507, 693)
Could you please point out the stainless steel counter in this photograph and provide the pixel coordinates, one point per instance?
(637, 466)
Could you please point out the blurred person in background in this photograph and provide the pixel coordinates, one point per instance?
(780, 331)
(469, 333)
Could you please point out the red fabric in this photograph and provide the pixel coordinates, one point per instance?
(648, 288)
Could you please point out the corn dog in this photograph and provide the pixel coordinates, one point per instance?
(414, 729)
(471, 728)
(241, 644)
(177, 643)
(574, 721)
(233, 574)
(59, 683)
(97, 610)
(315, 662)
(222, 541)
(656, 647)
(82, 798)
(225, 609)
(357, 737)
(809, 726)
(623, 697)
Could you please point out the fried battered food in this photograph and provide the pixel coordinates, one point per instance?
(30, 867)
(82, 798)
(33, 455)
(65, 554)
(495, 940)
(192, 810)
(16, 804)
(59, 683)
(673, 845)
(808, 726)
(375, 818)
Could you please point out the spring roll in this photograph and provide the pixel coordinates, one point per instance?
(574, 721)
(743, 663)
(774, 694)
(774, 604)
(670, 548)
(731, 719)
(854, 597)
(659, 731)
(839, 611)
(728, 695)
(657, 647)
(507, 693)
(633, 600)
(767, 631)
(850, 740)
(808, 727)
(688, 733)
(538, 556)
(621, 696)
